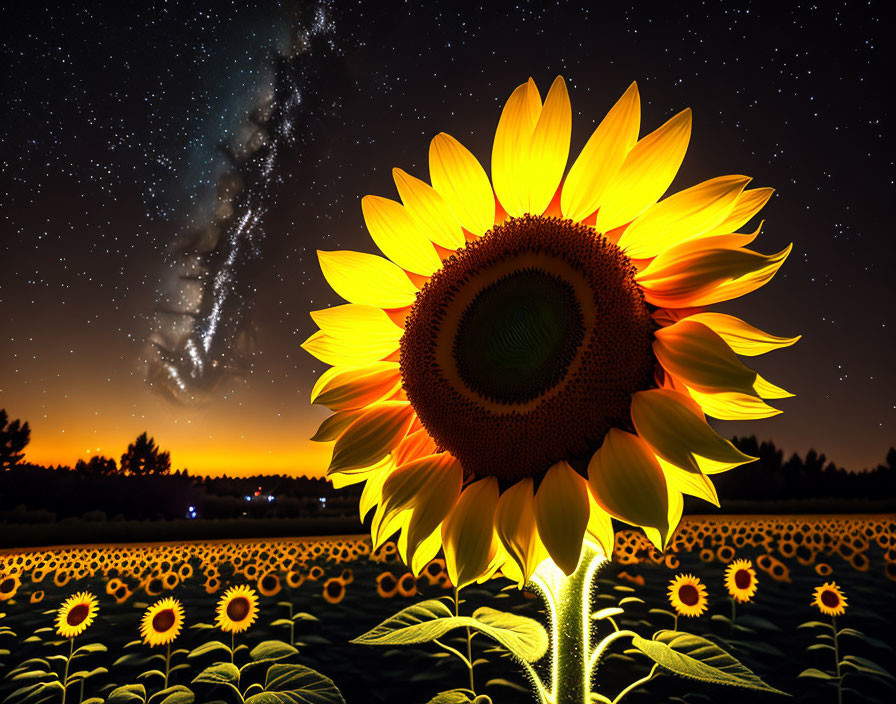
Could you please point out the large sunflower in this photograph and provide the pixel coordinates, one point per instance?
(162, 622)
(76, 614)
(533, 358)
(740, 580)
(687, 594)
(237, 609)
(829, 599)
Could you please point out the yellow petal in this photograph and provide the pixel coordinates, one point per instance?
(646, 173)
(461, 181)
(548, 149)
(600, 527)
(372, 493)
(346, 351)
(356, 387)
(661, 538)
(381, 530)
(366, 278)
(425, 551)
(683, 277)
(510, 152)
(698, 357)
(627, 482)
(766, 389)
(747, 205)
(682, 216)
(673, 425)
(732, 405)
(429, 210)
(354, 320)
(371, 436)
(692, 483)
(335, 425)
(468, 531)
(515, 526)
(561, 514)
(742, 337)
(398, 236)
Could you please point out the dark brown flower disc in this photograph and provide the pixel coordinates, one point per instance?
(163, 620)
(526, 346)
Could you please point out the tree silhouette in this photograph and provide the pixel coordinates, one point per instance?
(13, 439)
(98, 466)
(143, 458)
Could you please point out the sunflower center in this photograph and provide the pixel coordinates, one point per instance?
(742, 579)
(526, 346)
(238, 609)
(688, 594)
(6, 585)
(334, 588)
(163, 620)
(77, 614)
(829, 598)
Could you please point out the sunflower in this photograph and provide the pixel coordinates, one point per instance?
(829, 599)
(9, 586)
(740, 580)
(76, 614)
(162, 622)
(687, 594)
(37, 597)
(544, 328)
(386, 585)
(269, 584)
(407, 584)
(237, 609)
(334, 590)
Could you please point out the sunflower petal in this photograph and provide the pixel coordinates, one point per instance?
(698, 357)
(732, 405)
(335, 425)
(461, 181)
(468, 531)
(356, 320)
(429, 210)
(417, 444)
(510, 151)
(673, 425)
(397, 235)
(602, 157)
(646, 173)
(356, 387)
(548, 149)
(561, 514)
(627, 482)
(661, 538)
(684, 276)
(517, 530)
(372, 435)
(766, 389)
(691, 483)
(348, 351)
(600, 527)
(742, 337)
(366, 278)
(747, 205)
(427, 549)
(372, 494)
(682, 216)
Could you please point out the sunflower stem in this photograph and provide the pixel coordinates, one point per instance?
(167, 665)
(568, 601)
(469, 658)
(837, 661)
(232, 639)
(733, 607)
(71, 650)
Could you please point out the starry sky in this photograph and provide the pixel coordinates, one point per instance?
(111, 153)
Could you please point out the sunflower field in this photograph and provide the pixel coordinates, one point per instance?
(805, 603)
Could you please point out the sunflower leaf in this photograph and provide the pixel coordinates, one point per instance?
(296, 684)
(816, 674)
(210, 647)
(452, 696)
(127, 694)
(609, 612)
(694, 657)
(865, 665)
(269, 651)
(176, 694)
(222, 673)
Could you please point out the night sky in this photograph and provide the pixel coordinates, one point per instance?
(110, 152)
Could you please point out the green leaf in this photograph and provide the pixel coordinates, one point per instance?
(452, 696)
(501, 682)
(304, 616)
(177, 694)
(201, 626)
(815, 624)
(820, 646)
(816, 674)
(281, 622)
(90, 648)
(431, 619)
(93, 700)
(36, 693)
(136, 659)
(756, 622)
(86, 674)
(270, 650)
(299, 684)
(151, 673)
(631, 600)
(664, 612)
(222, 673)
(867, 666)
(127, 694)
(694, 657)
(609, 612)
(206, 648)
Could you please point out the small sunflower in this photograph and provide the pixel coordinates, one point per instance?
(542, 328)
(829, 599)
(76, 614)
(9, 585)
(237, 609)
(162, 622)
(407, 584)
(687, 594)
(334, 590)
(386, 585)
(269, 584)
(740, 580)
(37, 597)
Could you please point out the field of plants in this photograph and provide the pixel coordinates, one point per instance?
(273, 621)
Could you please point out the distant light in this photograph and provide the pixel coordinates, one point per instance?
(270, 498)
(247, 497)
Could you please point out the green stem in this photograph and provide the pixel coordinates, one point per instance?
(605, 643)
(568, 600)
(167, 665)
(469, 658)
(675, 623)
(837, 662)
(81, 698)
(733, 607)
(634, 685)
(232, 638)
(292, 627)
(71, 651)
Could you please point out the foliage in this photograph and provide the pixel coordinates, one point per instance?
(144, 458)
(14, 437)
